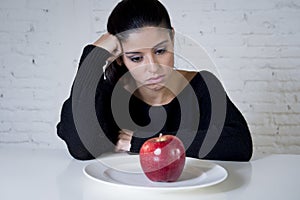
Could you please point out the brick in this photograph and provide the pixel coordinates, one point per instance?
(272, 86)
(283, 86)
(288, 141)
(288, 130)
(253, 85)
(15, 61)
(262, 130)
(14, 93)
(266, 150)
(264, 140)
(290, 119)
(294, 107)
(271, 108)
(289, 149)
(16, 26)
(248, 52)
(27, 115)
(264, 97)
(232, 84)
(5, 127)
(243, 107)
(17, 14)
(44, 4)
(5, 82)
(12, 4)
(261, 63)
(190, 5)
(4, 38)
(288, 5)
(104, 4)
(220, 40)
(256, 75)
(14, 138)
(245, 5)
(290, 52)
(43, 139)
(276, 21)
(256, 119)
(21, 104)
(200, 26)
(290, 75)
(39, 127)
(282, 63)
(232, 28)
(274, 40)
(33, 83)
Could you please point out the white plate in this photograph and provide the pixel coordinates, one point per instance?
(126, 171)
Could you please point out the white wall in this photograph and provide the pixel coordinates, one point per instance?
(255, 44)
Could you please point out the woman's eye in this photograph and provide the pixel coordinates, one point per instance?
(160, 51)
(136, 59)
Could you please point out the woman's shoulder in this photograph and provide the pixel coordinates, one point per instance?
(201, 80)
(194, 78)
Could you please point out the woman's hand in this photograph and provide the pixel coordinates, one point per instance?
(124, 142)
(110, 43)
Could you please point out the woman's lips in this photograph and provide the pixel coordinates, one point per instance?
(156, 79)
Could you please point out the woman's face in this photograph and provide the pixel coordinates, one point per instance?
(148, 55)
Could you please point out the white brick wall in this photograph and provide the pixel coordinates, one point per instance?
(255, 45)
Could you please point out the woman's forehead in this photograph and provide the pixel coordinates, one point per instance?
(147, 37)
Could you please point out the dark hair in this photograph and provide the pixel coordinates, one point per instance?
(133, 14)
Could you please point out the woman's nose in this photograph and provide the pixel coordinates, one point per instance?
(152, 64)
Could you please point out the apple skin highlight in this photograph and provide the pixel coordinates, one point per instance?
(163, 158)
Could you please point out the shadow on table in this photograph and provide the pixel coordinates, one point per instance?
(239, 175)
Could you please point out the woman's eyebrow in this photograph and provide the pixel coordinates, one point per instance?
(132, 52)
(163, 42)
(155, 46)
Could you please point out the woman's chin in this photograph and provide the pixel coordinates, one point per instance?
(155, 87)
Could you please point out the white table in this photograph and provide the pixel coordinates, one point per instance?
(52, 174)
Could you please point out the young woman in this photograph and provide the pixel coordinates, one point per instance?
(141, 94)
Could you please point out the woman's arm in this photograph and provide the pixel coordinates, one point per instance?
(230, 138)
(78, 127)
(66, 128)
(235, 141)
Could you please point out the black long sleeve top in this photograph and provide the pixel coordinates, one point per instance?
(208, 129)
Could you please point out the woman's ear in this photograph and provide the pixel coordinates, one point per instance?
(172, 34)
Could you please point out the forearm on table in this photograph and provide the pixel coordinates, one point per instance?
(66, 128)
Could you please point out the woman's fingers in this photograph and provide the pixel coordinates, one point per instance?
(125, 134)
(124, 142)
(122, 145)
(110, 43)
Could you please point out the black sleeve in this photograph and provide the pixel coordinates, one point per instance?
(234, 142)
(66, 129)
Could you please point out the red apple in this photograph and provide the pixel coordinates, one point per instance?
(162, 158)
